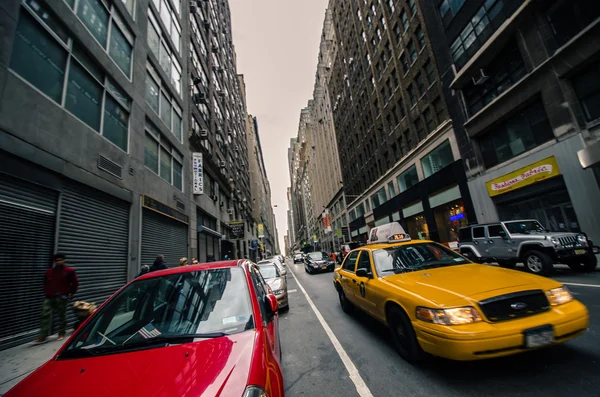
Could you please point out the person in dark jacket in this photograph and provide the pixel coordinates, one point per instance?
(60, 284)
(210, 258)
(159, 264)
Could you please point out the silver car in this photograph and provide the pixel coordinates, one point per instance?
(277, 282)
(281, 266)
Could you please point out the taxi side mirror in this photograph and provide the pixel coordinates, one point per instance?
(363, 273)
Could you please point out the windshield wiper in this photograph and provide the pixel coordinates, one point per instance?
(175, 338)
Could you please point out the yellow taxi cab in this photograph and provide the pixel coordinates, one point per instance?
(436, 301)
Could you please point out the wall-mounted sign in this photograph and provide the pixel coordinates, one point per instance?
(326, 221)
(528, 175)
(236, 230)
(198, 173)
(157, 206)
(457, 217)
(338, 233)
(261, 230)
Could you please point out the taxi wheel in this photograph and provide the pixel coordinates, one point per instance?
(344, 303)
(403, 335)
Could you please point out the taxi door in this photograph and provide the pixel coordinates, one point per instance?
(362, 286)
(346, 274)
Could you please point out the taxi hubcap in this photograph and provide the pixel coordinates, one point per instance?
(534, 264)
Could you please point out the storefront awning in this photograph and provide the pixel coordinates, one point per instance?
(590, 156)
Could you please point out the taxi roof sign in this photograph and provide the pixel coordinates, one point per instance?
(388, 233)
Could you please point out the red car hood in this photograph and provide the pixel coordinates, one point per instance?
(212, 367)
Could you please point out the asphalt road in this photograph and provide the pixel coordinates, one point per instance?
(313, 367)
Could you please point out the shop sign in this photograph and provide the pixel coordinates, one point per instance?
(157, 206)
(315, 238)
(536, 172)
(338, 233)
(261, 230)
(198, 173)
(236, 230)
(326, 222)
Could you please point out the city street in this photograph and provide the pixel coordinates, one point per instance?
(312, 365)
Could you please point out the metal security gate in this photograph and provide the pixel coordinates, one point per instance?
(94, 235)
(162, 235)
(27, 228)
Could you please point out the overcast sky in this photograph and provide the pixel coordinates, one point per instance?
(277, 45)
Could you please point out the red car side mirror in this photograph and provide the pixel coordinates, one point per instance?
(272, 306)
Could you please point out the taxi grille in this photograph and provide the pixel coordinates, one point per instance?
(513, 306)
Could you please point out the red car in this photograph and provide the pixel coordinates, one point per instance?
(201, 330)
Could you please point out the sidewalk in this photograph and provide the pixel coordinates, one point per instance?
(19, 361)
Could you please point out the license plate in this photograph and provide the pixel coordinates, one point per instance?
(579, 252)
(324, 268)
(538, 337)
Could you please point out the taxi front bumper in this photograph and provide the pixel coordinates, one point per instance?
(487, 340)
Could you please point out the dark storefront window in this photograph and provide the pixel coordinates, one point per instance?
(416, 226)
(587, 87)
(408, 179)
(448, 9)
(502, 72)
(449, 218)
(569, 17)
(523, 132)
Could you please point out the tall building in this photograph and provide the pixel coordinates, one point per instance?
(399, 150)
(94, 159)
(217, 131)
(525, 78)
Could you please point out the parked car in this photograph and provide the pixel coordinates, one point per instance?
(281, 266)
(277, 282)
(526, 241)
(298, 258)
(200, 330)
(318, 262)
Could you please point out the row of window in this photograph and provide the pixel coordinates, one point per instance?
(49, 59)
(163, 103)
(157, 42)
(437, 159)
(161, 158)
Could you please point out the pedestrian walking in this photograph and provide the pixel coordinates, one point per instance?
(183, 261)
(194, 261)
(210, 258)
(159, 264)
(60, 284)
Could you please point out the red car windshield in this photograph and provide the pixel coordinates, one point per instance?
(171, 309)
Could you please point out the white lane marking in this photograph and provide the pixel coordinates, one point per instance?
(361, 386)
(582, 285)
(292, 290)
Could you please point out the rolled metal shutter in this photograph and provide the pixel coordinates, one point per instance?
(27, 228)
(94, 235)
(162, 235)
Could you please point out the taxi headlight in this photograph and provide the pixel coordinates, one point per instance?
(559, 296)
(454, 316)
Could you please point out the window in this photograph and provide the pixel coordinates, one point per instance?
(496, 231)
(485, 21)
(413, 7)
(412, 95)
(171, 22)
(448, 9)
(437, 159)
(390, 4)
(364, 261)
(430, 72)
(404, 20)
(161, 158)
(379, 198)
(421, 83)
(428, 114)
(420, 129)
(479, 232)
(350, 262)
(526, 130)
(391, 189)
(367, 205)
(507, 68)
(420, 37)
(166, 58)
(360, 211)
(398, 33)
(97, 17)
(42, 59)
(401, 108)
(569, 17)
(404, 62)
(412, 51)
(130, 6)
(162, 103)
(408, 179)
(587, 88)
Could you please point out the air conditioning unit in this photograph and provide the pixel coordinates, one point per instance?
(215, 68)
(193, 7)
(214, 197)
(222, 164)
(480, 77)
(230, 211)
(222, 93)
(199, 98)
(206, 23)
(203, 134)
(214, 48)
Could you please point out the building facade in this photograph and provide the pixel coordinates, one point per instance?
(399, 151)
(218, 132)
(93, 149)
(526, 78)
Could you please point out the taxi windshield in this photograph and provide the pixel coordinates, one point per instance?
(175, 308)
(413, 257)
